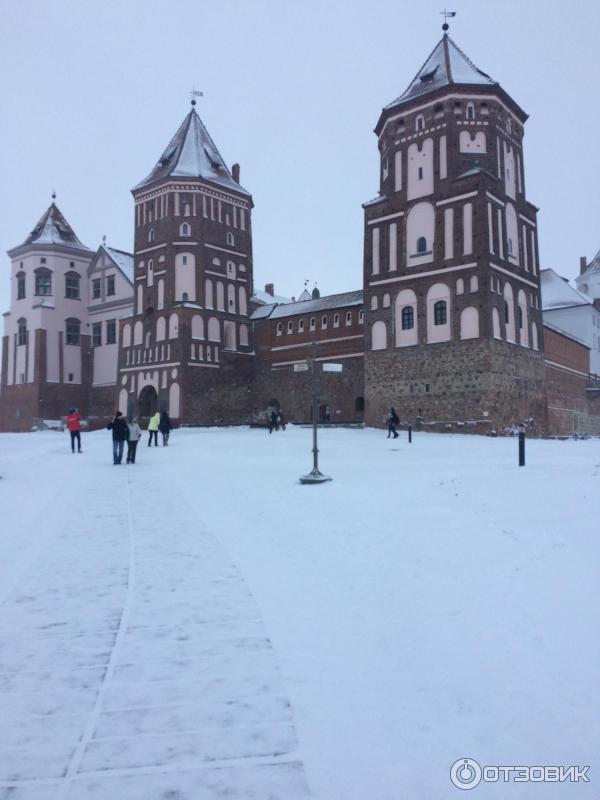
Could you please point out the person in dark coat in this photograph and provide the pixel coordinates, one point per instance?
(165, 427)
(392, 421)
(120, 434)
(273, 417)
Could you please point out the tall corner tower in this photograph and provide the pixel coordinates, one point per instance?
(451, 273)
(188, 347)
(46, 353)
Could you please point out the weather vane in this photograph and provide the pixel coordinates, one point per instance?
(53, 194)
(447, 15)
(194, 94)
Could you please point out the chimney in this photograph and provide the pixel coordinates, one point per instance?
(597, 303)
(270, 289)
(235, 172)
(582, 265)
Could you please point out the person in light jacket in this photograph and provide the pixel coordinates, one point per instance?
(153, 429)
(135, 434)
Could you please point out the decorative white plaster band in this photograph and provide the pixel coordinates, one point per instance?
(528, 221)
(512, 275)
(495, 199)
(425, 274)
(224, 250)
(318, 341)
(324, 358)
(383, 219)
(455, 199)
(566, 369)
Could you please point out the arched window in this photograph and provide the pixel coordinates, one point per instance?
(469, 323)
(150, 273)
(229, 335)
(279, 328)
(138, 332)
(220, 296)
(21, 331)
(301, 326)
(470, 111)
(208, 294)
(378, 336)
(160, 293)
(420, 123)
(440, 313)
(43, 282)
(230, 269)
(216, 262)
(374, 303)
(127, 335)
(361, 317)
(184, 229)
(420, 233)
(474, 283)
(230, 239)
(496, 331)
(244, 335)
(421, 245)
(214, 331)
(290, 326)
(313, 324)
(408, 318)
(20, 276)
(336, 320)
(231, 298)
(72, 331)
(242, 305)
(324, 321)
(161, 329)
(151, 235)
(197, 327)
(386, 301)
(460, 286)
(348, 318)
(509, 313)
(173, 326)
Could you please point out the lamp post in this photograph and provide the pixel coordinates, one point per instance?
(315, 475)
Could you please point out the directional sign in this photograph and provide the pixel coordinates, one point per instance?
(333, 367)
(302, 367)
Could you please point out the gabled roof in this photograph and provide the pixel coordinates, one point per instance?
(558, 292)
(268, 299)
(122, 259)
(594, 265)
(53, 228)
(191, 153)
(446, 65)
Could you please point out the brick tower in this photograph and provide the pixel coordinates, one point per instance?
(188, 346)
(451, 276)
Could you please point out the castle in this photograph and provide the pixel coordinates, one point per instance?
(447, 327)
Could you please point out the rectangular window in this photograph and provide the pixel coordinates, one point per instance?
(110, 285)
(72, 287)
(43, 284)
(21, 287)
(111, 331)
(96, 334)
(72, 332)
(96, 289)
(22, 334)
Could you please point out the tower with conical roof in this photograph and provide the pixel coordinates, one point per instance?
(188, 347)
(45, 354)
(451, 275)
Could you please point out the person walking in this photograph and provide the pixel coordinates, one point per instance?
(74, 427)
(153, 429)
(120, 434)
(135, 434)
(164, 426)
(392, 421)
(273, 421)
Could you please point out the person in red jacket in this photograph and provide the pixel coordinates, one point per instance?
(74, 426)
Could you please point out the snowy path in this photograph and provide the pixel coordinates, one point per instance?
(132, 654)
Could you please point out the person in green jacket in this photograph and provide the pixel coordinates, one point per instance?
(153, 429)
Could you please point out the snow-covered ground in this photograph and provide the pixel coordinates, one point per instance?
(201, 626)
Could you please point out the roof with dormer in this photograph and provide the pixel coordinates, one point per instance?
(191, 153)
(53, 229)
(446, 66)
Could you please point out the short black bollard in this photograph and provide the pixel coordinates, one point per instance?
(409, 434)
(521, 447)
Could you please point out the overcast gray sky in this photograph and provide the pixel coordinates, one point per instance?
(92, 92)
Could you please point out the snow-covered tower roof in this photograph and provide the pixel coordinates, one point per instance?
(53, 229)
(191, 153)
(446, 67)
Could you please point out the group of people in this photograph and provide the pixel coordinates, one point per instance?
(276, 420)
(130, 432)
(123, 430)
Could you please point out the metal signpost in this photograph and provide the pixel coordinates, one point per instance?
(315, 475)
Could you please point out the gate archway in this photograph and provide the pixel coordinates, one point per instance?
(147, 403)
